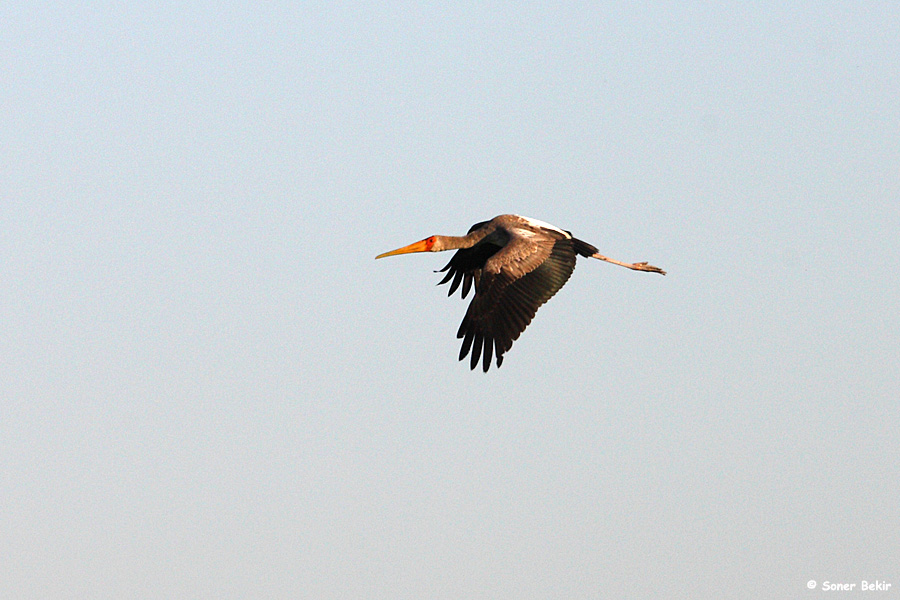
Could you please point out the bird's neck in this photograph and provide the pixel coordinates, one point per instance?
(455, 242)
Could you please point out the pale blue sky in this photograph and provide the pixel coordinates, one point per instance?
(210, 388)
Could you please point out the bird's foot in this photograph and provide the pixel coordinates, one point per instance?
(643, 266)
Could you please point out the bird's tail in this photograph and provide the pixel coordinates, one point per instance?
(583, 248)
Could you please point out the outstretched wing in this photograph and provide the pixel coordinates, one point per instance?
(513, 284)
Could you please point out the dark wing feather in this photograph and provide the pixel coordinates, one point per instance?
(505, 302)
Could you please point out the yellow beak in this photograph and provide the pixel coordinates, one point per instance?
(421, 246)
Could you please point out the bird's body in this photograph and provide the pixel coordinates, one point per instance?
(516, 264)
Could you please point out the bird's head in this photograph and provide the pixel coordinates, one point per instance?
(429, 244)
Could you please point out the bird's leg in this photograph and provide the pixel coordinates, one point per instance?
(641, 266)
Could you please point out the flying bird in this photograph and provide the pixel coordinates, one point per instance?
(516, 264)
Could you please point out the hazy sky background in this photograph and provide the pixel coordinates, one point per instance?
(210, 388)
